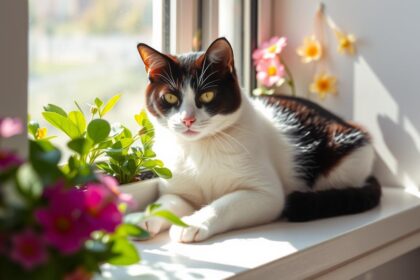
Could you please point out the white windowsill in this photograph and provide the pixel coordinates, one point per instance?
(344, 246)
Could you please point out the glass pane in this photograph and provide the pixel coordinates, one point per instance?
(82, 49)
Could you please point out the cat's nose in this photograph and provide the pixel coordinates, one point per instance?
(188, 120)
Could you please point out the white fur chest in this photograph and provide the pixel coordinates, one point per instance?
(206, 170)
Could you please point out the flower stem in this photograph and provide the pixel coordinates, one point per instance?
(290, 80)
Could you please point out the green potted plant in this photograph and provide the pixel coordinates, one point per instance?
(111, 149)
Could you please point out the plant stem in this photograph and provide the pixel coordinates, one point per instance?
(290, 80)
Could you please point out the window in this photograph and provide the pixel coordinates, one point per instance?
(82, 49)
(76, 55)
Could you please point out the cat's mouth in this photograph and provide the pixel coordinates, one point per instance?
(190, 132)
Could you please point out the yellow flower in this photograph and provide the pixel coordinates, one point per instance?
(322, 84)
(311, 49)
(41, 133)
(346, 42)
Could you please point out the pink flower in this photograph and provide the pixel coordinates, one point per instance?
(8, 160)
(10, 127)
(269, 49)
(28, 249)
(101, 208)
(63, 221)
(270, 72)
(112, 184)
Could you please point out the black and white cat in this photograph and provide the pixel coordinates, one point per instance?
(240, 162)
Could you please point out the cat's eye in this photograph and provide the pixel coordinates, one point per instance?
(170, 98)
(207, 97)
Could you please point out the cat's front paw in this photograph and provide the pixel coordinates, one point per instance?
(154, 226)
(189, 234)
(200, 227)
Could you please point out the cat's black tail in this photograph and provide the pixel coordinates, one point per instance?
(306, 206)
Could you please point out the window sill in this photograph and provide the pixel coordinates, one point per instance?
(345, 246)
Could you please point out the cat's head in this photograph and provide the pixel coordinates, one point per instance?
(196, 94)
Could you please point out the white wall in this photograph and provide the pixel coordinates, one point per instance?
(379, 87)
(13, 64)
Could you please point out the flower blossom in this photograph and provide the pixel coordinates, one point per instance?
(270, 72)
(323, 84)
(28, 249)
(63, 220)
(10, 127)
(346, 42)
(269, 49)
(310, 50)
(41, 133)
(101, 208)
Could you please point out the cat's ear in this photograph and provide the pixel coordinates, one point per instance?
(153, 59)
(220, 53)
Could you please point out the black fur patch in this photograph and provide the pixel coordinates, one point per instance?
(322, 138)
(306, 206)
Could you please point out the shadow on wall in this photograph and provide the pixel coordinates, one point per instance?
(387, 49)
(404, 149)
(379, 86)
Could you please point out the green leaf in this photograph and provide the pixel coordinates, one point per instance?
(44, 158)
(79, 120)
(152, 207)
(116, 151)
(104, 145)
(149, 153)
(132, 230)
(98, 130)
(163, 172)
(33, 128)
(122, 132)
(62, 123)
(104, 166)
(80, 145)
(126, 144)
(55, 109)
(98, 102)
(125, 252)
(110, 104)
(132, 166)
(28, 181)
(170, 217)
(152, 163)
(147, 131)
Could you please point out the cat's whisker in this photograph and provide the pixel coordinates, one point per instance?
(201, 74)
(210, 84)
(208, 76)
(204, 71)
(166, 79)
(172, 77)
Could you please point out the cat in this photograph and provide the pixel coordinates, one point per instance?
(239, 161)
